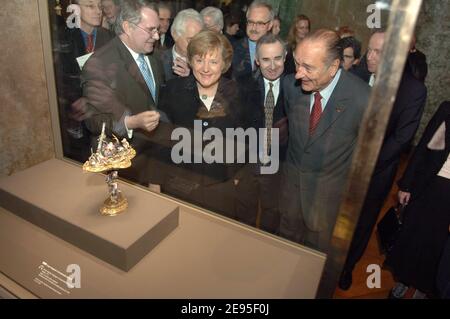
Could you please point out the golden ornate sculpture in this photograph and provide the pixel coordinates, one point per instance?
(109, 157)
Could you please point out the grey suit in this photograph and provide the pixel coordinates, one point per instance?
(316, 168)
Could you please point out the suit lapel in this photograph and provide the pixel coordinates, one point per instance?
(79, 47)
(157, 75)
(133, 69)
(304, 105)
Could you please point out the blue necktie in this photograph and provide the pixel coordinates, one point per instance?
(147, 75)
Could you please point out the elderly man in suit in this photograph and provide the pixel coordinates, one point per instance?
(402, 126)
(324, 114)
(185, 26)
(121, 83)
(264, 108)
(259, 22)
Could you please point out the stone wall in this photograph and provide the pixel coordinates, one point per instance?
(433, 38)
(25, 130)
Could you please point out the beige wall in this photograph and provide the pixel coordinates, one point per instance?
(25, 130)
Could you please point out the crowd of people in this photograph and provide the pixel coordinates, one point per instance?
(153, 75)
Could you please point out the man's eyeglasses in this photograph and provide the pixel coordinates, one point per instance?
(152, 32)
(258, 24)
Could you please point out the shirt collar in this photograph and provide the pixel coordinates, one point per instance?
(326, 92)
(276, 83)
(251, 44)
(133, 53)
(84, 33)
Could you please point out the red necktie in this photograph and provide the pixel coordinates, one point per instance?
(315, 113)
(90, 43)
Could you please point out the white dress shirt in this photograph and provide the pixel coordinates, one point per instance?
(372, 80)
(326, 92)
(445, 170)
(275, 89)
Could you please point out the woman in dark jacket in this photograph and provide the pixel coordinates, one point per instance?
(425, 189)
(203, 101)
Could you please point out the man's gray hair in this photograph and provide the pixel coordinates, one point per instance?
(215, 14)
(179, 23)
(261, 4)
(131, 12)
(270, 38)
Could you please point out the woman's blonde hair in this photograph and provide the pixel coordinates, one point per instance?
(292, 35)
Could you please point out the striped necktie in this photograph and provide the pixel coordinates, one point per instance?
(147, 75)
(316, 113)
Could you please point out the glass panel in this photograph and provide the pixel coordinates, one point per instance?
(189, 131)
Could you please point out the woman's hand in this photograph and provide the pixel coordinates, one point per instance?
(404, 197)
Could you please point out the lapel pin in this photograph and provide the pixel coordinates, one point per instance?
(339, 109)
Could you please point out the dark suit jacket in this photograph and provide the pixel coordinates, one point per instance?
(253, 96)
(114, 66)
(168, 42)
(71, 47)
(181, 103)
(241, 64)
(401, 129)
(426, 163)
(318, 166)
(166, 57)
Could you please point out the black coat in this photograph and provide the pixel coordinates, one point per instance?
(402, 126)
(71, 46)
(181, 103)
(426, 163)
(241, 64)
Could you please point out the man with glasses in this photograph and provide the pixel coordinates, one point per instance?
(75, 45)
(259, 22)
(122, 81)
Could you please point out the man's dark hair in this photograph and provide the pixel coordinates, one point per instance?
(351, 42)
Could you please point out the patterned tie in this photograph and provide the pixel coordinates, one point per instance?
(268, 112)
(90, 43)
(315, 114)
(147, 75)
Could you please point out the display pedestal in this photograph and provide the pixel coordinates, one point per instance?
(65, 201)
(205, 256)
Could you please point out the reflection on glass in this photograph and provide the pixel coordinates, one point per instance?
(262, 132)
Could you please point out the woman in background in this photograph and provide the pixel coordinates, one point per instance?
(300, 28)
